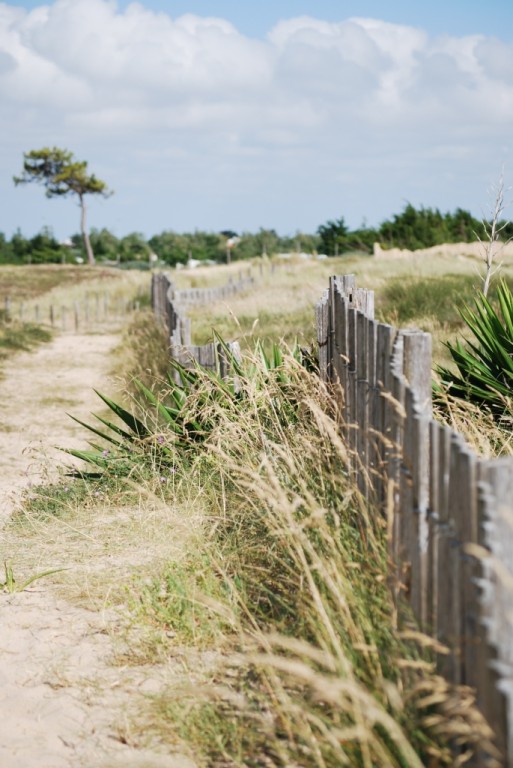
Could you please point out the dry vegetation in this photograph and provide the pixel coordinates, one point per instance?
(424, 293)
(28, 292)
(24, 283)
(251, 558)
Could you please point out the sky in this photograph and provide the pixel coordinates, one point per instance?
(279, 113)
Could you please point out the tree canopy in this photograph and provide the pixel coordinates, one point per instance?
(333, 236)
(62, 175)
(412, 228)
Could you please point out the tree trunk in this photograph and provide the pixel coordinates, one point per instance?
(85, 233)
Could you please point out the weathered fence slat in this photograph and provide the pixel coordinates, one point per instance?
(440, 499)
(362, 400)
(433, 519)
(384, 343)
(322, 317)
(492, 700)
(498, 538)
(168, 309)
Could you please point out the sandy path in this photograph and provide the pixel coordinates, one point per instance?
(36, 392)
(63, 704)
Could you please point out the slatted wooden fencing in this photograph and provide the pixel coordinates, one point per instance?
(171, 314)
(450, 512)
(167, 311)
(208, 295)
(91, 310)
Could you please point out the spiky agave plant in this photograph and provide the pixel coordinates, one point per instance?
(484, 366)
(183, 416)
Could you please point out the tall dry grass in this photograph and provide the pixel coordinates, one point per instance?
(280, 605)
(316, 665)
(414, 291)
(483, 432)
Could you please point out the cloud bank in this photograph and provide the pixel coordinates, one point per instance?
(223, 125)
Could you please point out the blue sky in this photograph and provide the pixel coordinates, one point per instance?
(460, 17)
(221, 115)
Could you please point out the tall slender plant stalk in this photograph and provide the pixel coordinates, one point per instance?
(492, 245)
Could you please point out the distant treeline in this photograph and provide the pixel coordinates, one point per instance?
(412, 228)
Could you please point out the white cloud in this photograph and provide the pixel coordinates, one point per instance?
(142, 53)
(320, 94)
(91, 61)
(496, 59)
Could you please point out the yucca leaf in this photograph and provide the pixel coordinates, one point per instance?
(277, 356)
(132, 422)
(148, 394)
(506, 304)
(234, 364)
(96, 431)
(187, 375)
(90, 457)
(168, 414)
(114, 427)
(98, 448)
(263, 357)
(178, 394)
(485, 363)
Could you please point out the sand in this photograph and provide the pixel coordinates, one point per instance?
(64, 703)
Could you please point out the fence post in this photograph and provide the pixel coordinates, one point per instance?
(433, 528)
(395, 476)
(364, 301)
(205, 356)
(417, 365)
(384, 344)
(393, 405)
(322, 314)
(442, 535)
(372, 394)
(342, 288)
(496, 595)
(362, 399)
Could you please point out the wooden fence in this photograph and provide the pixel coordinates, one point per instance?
(98, 308)
(450, 512)
(208, 295)
(171, 314)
